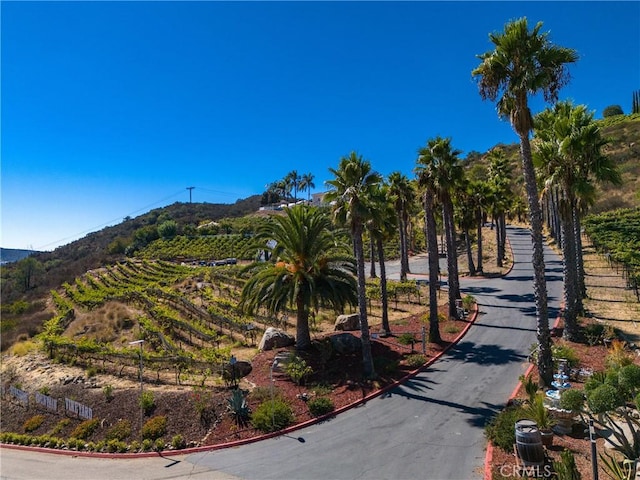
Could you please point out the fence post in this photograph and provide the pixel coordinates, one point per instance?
(424, 340)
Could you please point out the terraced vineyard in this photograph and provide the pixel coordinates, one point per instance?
(186, 315)
(616, 234)
(204, 248)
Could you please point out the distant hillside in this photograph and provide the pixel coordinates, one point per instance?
(8, 255)
(93, 251)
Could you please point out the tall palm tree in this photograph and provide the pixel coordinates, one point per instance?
(306, 183)
(481, 195)
(293, 179)
(525, 62)
(568, 153)
(439, 166)
(402, 194)
(500, 183)
(381, 224)
(308, 269)
(429, 203)
(352, 187)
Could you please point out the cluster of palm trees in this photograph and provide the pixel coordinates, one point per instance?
(567, 150)
(311, 268)
(281, 190)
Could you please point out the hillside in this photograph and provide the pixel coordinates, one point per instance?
(8, 255)
(25, 294)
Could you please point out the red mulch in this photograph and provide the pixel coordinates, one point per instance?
(179, 404)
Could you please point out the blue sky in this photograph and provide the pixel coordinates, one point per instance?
(110, 109)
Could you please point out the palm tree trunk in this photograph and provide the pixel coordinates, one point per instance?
(404, 248)
(367, 358)
(407, 235)
(499, 254)
(303, 336)
(434, 269)
(480, 221)
(545, 357)
(386, 329)
(569, 271)
(452, 259)
(467, 239)
(503, 235)
(582, 288)
(372, 268)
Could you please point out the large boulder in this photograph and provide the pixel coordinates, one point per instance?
(345, 343)
(281, 360)
(347, 323)
(275, 338)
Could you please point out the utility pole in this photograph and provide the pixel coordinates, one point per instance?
(190, 189)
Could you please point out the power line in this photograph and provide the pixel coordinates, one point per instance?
(102, 225)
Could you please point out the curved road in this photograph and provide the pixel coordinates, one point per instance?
(428, 428)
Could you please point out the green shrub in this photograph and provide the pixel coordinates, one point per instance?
(629, 380)
(116, 446)
(451, 329)
(92, 371)
(135, 446)
(262, 394)
(178, 443)
(158, 445)
(319, 406)
(45, 390)
(298, 369)
(594, 381)
(147, 445)
(416, 360)
(572, 400)
(322, 389)
(147, 402)
(108, 392)
(564, 351)
(385, 366)
(593, 333)
(604, 398)
(154, 428)
(120, 431)
(60, 426)
(407, 338)
(566, 468)
(468, 301)
(530, 386)
(612, 110)
(85, 429)
(272, 415)
(33, 423)
(501, 428)
(75, 443)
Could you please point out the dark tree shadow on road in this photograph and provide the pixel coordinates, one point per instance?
(485, 354)
(475, 415)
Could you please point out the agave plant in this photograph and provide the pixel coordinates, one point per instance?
(239, 407)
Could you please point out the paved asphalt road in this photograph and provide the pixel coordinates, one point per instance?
(429, 428)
